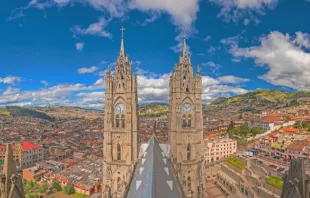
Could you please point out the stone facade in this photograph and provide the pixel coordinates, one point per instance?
(121, 127)
(296, 184)
(185, 124)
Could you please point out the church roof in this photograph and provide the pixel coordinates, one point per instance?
(153, 176)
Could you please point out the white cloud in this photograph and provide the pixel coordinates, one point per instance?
(103, 62)
(232, 79)
(284, 56)
(97, 29)
(61, 2)
(10, 80)
(234, 10)
(85, 70)
(151, 89)
(183, 12)
(207, 38)
(92, 100)
(213, 66)
(137, 62)
(211, 50)
(213, 88)
(56, 95)
(79, 46)
(45, 83)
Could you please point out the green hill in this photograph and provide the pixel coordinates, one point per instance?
(259, 100)
(153, 110)
(16, 111)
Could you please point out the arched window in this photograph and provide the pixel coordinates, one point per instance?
(187, 89)
(117, 121)
(189, 122)
(184, 124)
(123, 121)
(119, 152)
(188, 152)
(186, 121)
(119, 184)
(189, 183)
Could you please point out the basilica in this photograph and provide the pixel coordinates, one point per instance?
(154, 170)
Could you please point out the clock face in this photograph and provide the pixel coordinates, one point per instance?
(186, 107)
(119, 108)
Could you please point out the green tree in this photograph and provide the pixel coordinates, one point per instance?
(287, 118)
(56, 185)
(256, 130)
(230, 126)
(69, 189)
(43, 188)
(32, 195)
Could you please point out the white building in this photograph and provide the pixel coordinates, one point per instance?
(216, 149)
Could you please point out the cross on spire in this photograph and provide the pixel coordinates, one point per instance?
(184, 32)
(184, 48)
(122, 50)
(122, 29)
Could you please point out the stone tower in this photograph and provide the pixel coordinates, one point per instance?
(120, 127)
(186, 126)
(296, 184)
(11, 185)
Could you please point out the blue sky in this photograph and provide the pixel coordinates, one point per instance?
(55, 52)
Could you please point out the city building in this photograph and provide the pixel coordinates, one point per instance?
(59, 152)
(268, 122)
(26, 153)
(85, 176)
(216, 149)
(35, 173)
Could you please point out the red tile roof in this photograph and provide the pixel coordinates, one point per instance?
(271, 118)
(27, 146)
(289, 130)
(298, 145)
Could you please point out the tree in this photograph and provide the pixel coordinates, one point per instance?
(287, 118)
(69, 189)
(56, 185)
(43, 188)
(230, 126)
(256, 130)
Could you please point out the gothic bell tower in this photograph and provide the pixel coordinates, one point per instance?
(120, 145)
(186, 126)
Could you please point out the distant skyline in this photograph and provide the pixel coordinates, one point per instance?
(55, 52)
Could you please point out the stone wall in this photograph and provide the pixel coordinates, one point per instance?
(238, 170)
(253, 180)
(212, 170)
(272, 189)
(231, 173)
(260, 192)
(258, 169)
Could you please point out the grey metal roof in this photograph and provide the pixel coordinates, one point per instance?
(153, 177)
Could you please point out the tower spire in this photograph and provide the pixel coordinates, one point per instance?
(122, 50)
(11, 183)
(184, 48)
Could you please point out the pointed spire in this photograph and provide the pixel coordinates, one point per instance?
(9, 168)
(184, 48)
(198, 70)
(109, 69)
(122, 50)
